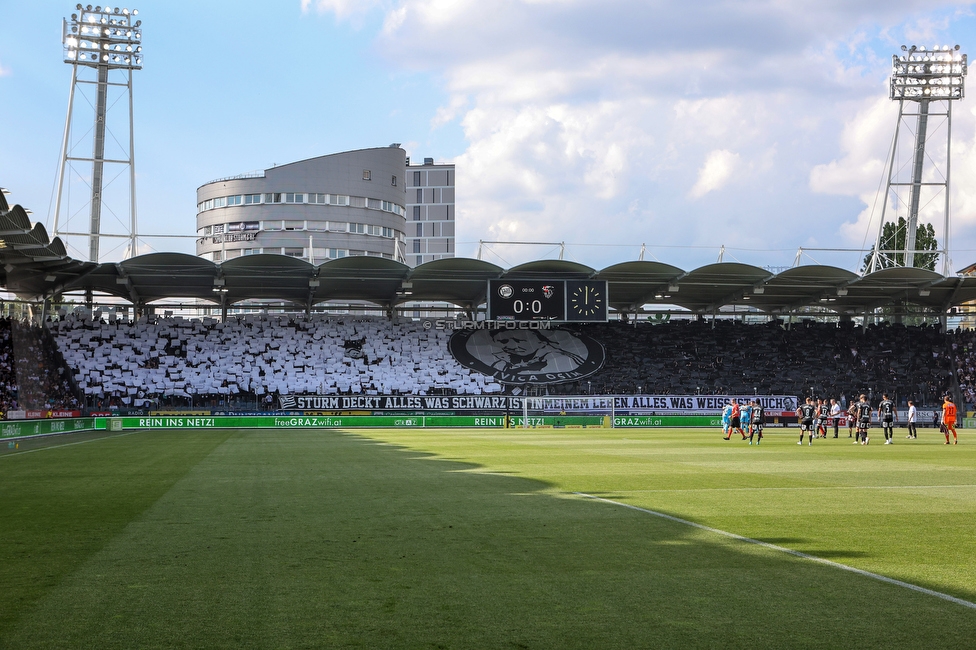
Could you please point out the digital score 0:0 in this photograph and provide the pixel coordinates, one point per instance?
(559, 300)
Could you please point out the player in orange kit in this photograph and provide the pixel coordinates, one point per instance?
(949, 420)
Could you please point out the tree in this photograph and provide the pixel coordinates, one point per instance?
(893, 239)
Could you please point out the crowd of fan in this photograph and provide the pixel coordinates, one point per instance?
(8, 373)
(247, 360)
(805, 359)
(33, 375)
(964, 353)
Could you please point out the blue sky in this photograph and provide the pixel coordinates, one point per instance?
(760, 125)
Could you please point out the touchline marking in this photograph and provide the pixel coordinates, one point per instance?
(68, 444)
(782, 549)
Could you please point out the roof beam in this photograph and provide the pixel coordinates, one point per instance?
(737, 294)
(127, 281)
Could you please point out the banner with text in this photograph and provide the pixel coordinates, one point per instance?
(464, 404)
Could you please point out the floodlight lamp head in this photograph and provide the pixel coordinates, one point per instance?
(84, 31)
(929, 76)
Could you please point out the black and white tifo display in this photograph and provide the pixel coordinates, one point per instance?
(528, 356)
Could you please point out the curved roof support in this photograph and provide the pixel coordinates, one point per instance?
(127, 281)
(952, 297)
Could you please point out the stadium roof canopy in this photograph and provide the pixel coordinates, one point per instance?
(35, 268)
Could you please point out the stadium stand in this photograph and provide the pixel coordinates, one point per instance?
(806, 359)
(33, 373)
(8, 375)
(964, 360)
(245, 359)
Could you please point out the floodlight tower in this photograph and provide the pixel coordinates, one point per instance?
(100, 43)
(924, 82)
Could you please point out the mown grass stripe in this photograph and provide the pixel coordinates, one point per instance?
(789, 551)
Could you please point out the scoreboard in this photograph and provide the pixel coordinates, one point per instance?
(558, 300)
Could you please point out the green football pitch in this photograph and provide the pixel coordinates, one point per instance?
(558, 538)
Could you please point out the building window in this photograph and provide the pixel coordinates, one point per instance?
(367, 175)
(235, 200)
(420, 260)
(358, 228)
(420, 230)
(273, 198)
(336, 253)
(251, 251)
(394, 181)
(295, 252)
(416, 179)
(292, 197)
(218, 229)
(335, 199)
(216, 256)
(420, 196)
(207, 230)
(416, 245)
(271, 225)
(317, 198)
(294, 225)
(252, 199)
(416, 212)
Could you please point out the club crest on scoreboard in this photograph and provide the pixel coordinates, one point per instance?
(528, 356)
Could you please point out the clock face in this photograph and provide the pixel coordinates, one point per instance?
(587, 300)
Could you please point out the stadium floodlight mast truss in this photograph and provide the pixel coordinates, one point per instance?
(922, 80)
(103, 45)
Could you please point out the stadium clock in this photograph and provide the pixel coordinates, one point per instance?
(586, 300)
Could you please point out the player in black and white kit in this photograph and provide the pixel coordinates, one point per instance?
(863, 420)
(886, 414)
(805, 413)
(758, 420)
(823, 414)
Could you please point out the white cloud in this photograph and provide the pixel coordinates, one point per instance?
(715, 173)
(862, 171)
(619, 121)
(448, 113)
